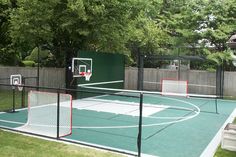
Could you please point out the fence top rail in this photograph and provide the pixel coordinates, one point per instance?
(150, 92)
(25, 77)
(70, 89)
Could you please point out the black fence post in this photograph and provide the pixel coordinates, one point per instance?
(179, 65)
(58, 114)
(222, 79)
(140, 70)
(219, 81)
(23, 93)
(38, 68)
(216, 105)
(139, 141)
(13, 98)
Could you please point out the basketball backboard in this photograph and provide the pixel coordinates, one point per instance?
(15, 79)
(82, 67)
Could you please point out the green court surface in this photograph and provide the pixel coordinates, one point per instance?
(172, 126)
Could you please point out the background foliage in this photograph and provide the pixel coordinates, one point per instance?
(166, 27)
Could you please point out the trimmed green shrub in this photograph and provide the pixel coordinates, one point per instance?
(29, 63)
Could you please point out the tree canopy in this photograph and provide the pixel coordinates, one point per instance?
(115, 26)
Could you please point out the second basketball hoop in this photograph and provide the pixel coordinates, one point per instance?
(16, 80)
(82, 67)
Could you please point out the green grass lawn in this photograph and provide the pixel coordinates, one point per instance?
(6, 99)
(234, 121)
(16, 145)
(225, 153)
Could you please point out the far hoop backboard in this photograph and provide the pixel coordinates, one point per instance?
(82, 67)
(15, 79)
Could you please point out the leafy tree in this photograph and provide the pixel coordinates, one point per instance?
(91, 25)
(8, 56)
(43, 54)
(30, 22)
(199, 23)
(119, 26)
(219, 22)
(4, 24)
(146, 33)
(220, 57)
(217, 26)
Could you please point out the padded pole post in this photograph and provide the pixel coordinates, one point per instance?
(58, 114)
(139, 141)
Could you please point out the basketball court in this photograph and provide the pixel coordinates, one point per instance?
(172, 126)
(102, 114)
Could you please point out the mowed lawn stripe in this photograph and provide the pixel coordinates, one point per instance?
(17, 145)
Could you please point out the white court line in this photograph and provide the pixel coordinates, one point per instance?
(146, 92)
(166, 117)
(108, 127)
(26, 108)
(13, 122)
(107, 147)
(226, 100)
(16, 110)
(161, 107)
(117, 107)
(147, 125)
(197, 85)
(98, 83)
(123, 126)
(215, 142)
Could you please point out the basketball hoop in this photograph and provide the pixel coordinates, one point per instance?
(82, 73)
(20, 87)
(81, 66)
(16, 81)
(87, 76)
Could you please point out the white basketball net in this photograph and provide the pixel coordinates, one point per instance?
(20, 88)
(19, 85)
(87, 76)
